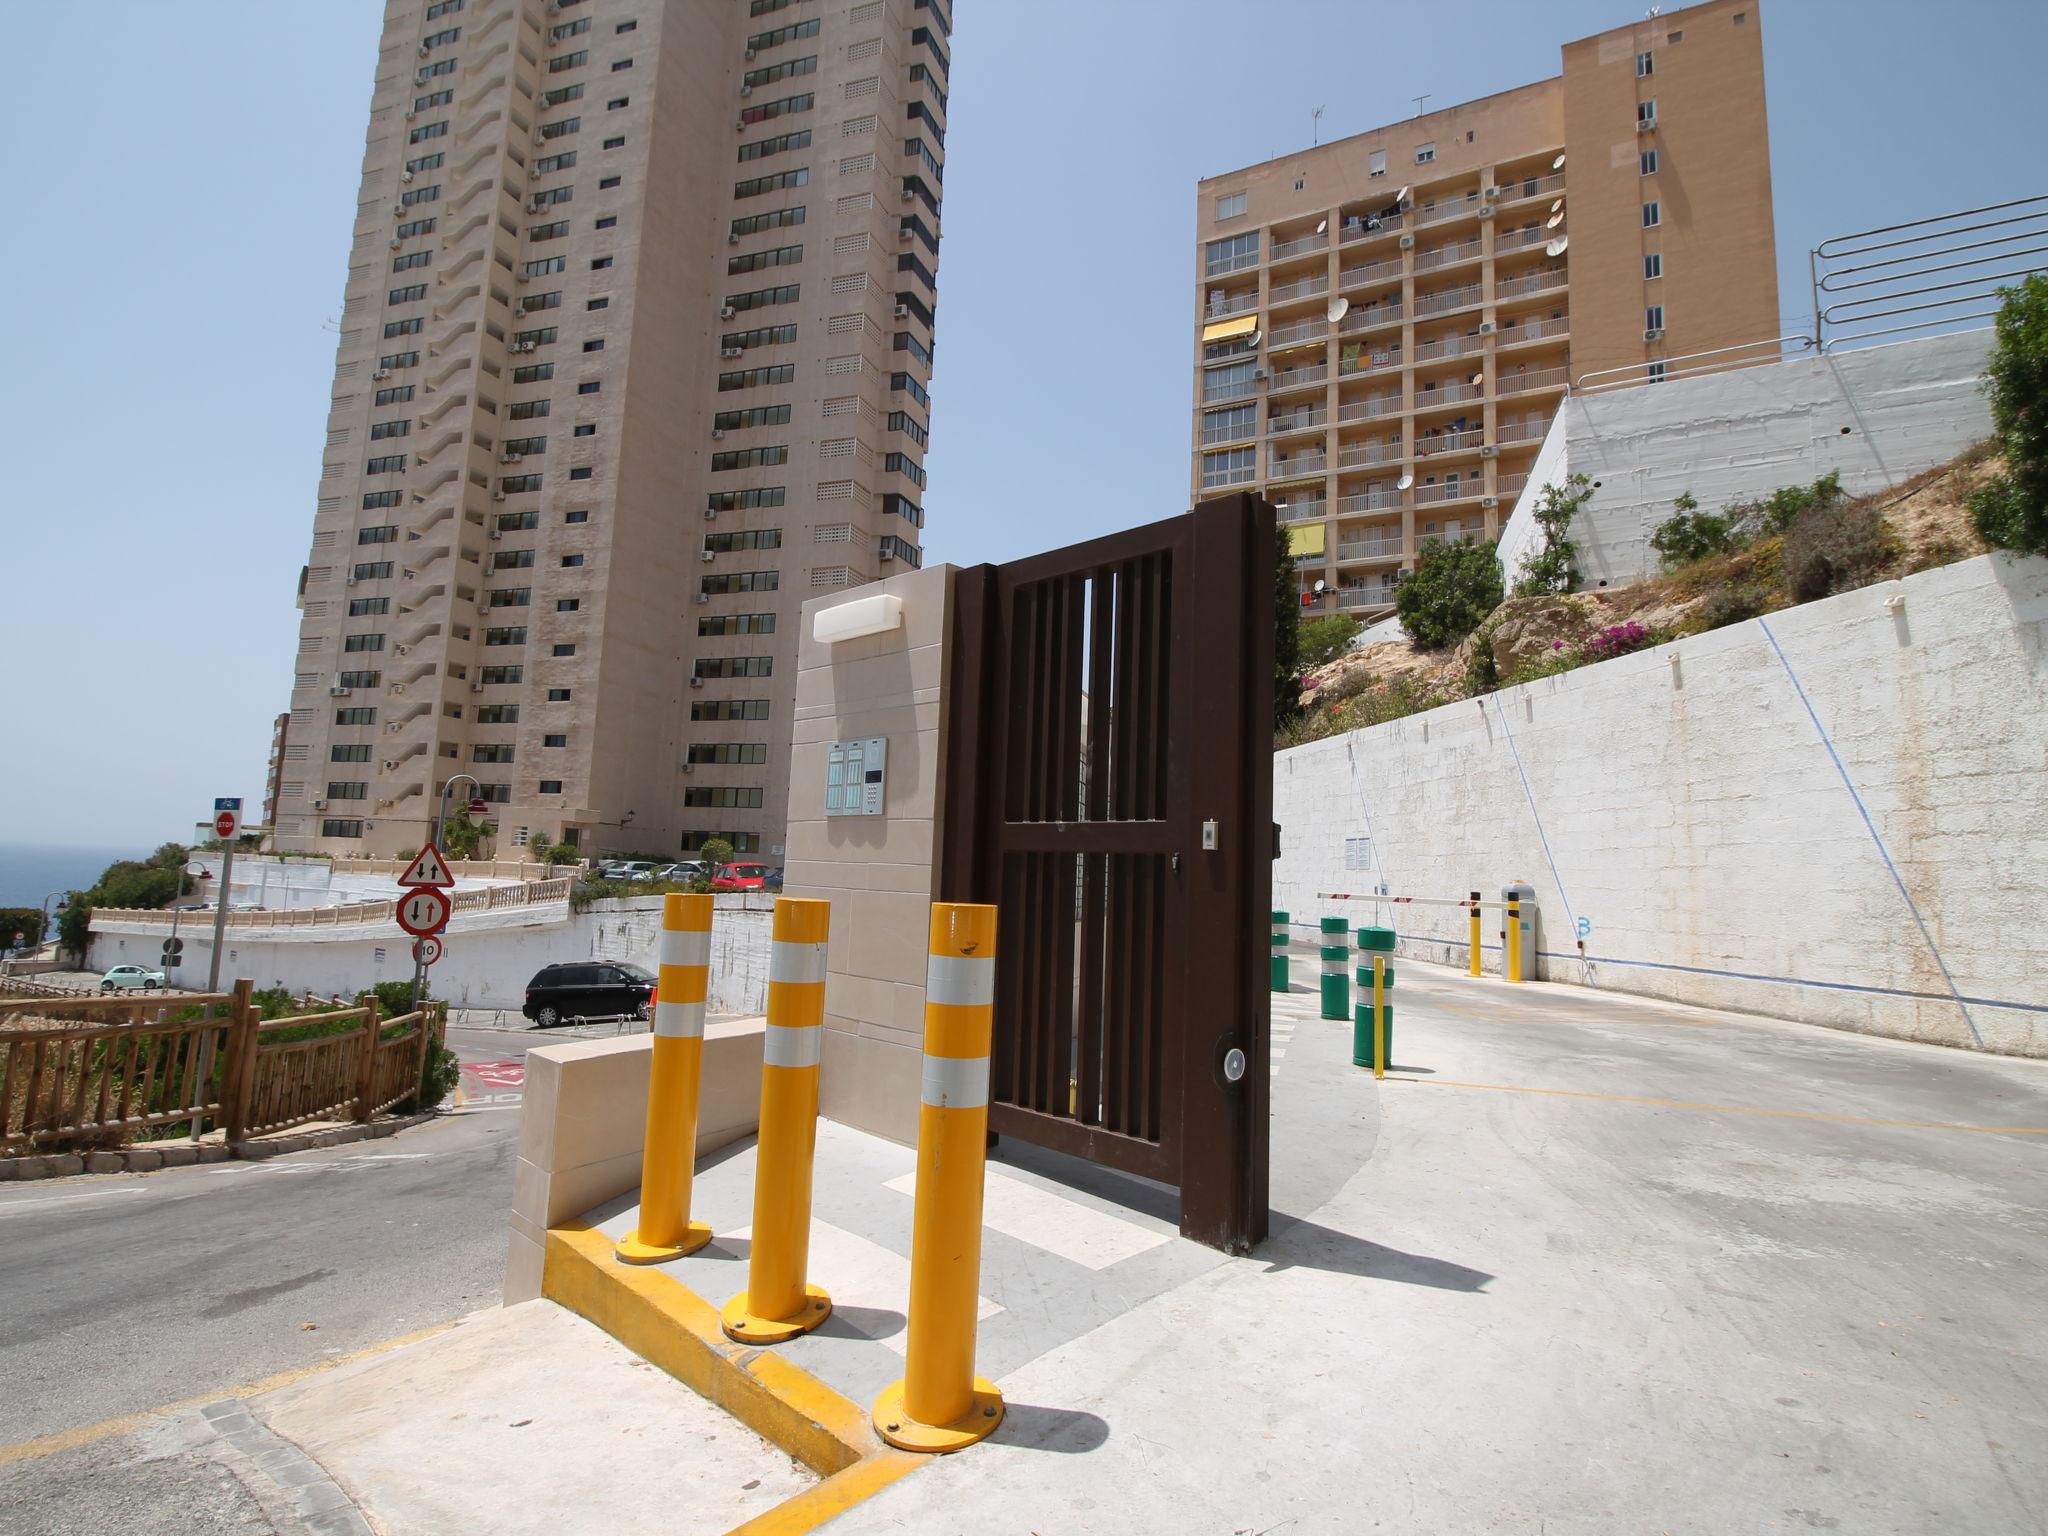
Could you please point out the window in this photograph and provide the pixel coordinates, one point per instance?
(333, 827)
(568, 604)
(570, 562)
(724, 797)
(760, 336)
(384, 534)
(1229, 381)
(787, 69)
(376, 499)
(431, 162)
(427, 72)
(550, 786)
(443, 8)
(561, 94)
(616, 102)
(412, 293)
(591, 304)
(729, 752)
(1233, 466)
(361, 679)
(589, 387)
(356, 716)
(1653, 317)
(598, 344)
(1646, 113)
(410, 260)
(563, 650)
(903, 507)
(569, 61)
(608, 221)
(751, 378)
(1376, 163)
(554, 231)
(386, 464)
(576, 517)
(359, 606)
(526, 410)
(398, 360)
(1233, 254)
(780, 108)
(412, 195)
(738, 501)
(441, 39)
(749, 458)
(608, 183)
(491, 752)
(434, 99)
(1646, 162)
(745, 538)
(1424, 153)
(426, 131)
(497, 714)
(754, 261)
(916, 391)
(514, 634)
(372, 570)
(412, 227)
(348, 789)
(619, 64)
(502, 674)
(760, 298)
(1240, 421)
(533, 373)
(615, 143)
(518, 522)
(1646, 65)
(552, 197)
(409, 327)
(626, 26)
(548, 164)
(1656, 375)
(568, 29)
(512, 559)
(510, 597)
(584, 429)
(735, 666)
(580, 474)
(756, 186)
(781, 142)
(729, 709)
(738, 624)
(741, 581)
(904, 422)
(541, 337)
(1653, 265)
(383, 429)
(558, 695)
(905, 342)
(903, 464)
(761, 42)
(753, 224)
(513, 485)
(1652, 216)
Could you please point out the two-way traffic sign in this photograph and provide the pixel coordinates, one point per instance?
(428, 868)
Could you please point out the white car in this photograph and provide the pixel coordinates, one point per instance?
(131, 978)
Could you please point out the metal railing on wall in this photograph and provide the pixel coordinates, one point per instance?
(1927, 274)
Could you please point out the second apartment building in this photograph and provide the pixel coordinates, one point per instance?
(635, 357)
(1385, 325)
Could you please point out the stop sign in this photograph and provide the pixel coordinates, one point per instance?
(224, 825)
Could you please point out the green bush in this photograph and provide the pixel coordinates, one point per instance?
(716, 852)
(74, 926)
(2012, 510)
(1733, 605)
(26, 921)
(1554, 569)
(1690, 534)
(1324, 639)
(1452, 590)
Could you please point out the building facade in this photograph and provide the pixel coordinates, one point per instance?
(635, 356)
(1386, 324)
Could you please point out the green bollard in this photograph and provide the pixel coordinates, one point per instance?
(1336, 987)
(1373, 941)
(1279, 951)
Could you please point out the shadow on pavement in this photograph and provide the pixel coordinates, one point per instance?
(1299, 1244)
(1070, 1432)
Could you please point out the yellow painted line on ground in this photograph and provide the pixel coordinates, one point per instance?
(1732, 1109)
(670, 1326)
(71, 1439)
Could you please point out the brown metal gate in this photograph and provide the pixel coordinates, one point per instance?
(1110, 699)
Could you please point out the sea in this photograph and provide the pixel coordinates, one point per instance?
(31, 871)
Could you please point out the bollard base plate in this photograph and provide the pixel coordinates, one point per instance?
(631, 1250)
(907, 1434)
(744, 1327)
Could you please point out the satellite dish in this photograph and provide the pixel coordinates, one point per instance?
(1554, 220)
(1476, 378)
(1557, 164)
(1401, 197)
(1559, 203)
(1323, 227)
(1339, 308)
(1557, 246)
(1404, 482)
(1251, 338)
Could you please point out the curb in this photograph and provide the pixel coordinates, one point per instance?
(150, 1156)
(670, 1326)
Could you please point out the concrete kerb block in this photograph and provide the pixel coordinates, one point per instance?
(176, 1156)
(64, 1164)
(215, 1152)
(142, 1161)
(105, 1162)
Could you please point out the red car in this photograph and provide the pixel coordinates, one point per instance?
(740, 877)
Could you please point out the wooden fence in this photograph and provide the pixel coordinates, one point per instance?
(86, 1071)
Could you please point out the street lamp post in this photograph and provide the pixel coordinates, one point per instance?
(198, 871)
(477, 806)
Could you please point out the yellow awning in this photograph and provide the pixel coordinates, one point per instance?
(1223, 330)
(1305, 539)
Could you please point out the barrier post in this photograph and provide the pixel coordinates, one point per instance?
(1379, 1015)
(1476, 971)
(1336, 955)
(668, 1163)
(1511, 947)
(940, 1404)
(1372, 1030)
(778, 1303)
(1279, 981)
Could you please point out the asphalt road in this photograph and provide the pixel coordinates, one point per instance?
(132, 1290)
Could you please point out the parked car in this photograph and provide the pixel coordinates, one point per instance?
(772, 881)
(681, 873)
(628, 869)
(132, 978)
(593, 989)
(740, 877)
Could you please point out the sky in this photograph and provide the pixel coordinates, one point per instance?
(193, 237)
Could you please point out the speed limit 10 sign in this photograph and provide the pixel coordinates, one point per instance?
(423, 911)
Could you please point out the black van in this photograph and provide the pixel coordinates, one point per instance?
(594, 989)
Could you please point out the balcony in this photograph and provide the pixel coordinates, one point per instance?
(1462, 208)
(1369, 409)
(1532, 186)
(1448, 299)
(1299, 510)
(1217, 394)
(1298, 378)
(1448, 255)
(1238, 261)
(1370, 317)
(1384, 548)
(1300, 419)
(1515, 240)
(1522, 383)
(1228, 432)
(1370, 272)
(1535, 282)
(1521, 432)
(1301, 466)
(1363, 502)
(1299, 332)
(1449, 346)
(1283, 249)
(1227, 475)
(1450, 490)
(1377, 596)
(1510, 487)
(1353, 455)
(1372, 362)
(1304, 288)
(1447, 394)
(1231, 304)
(1449, 442)
(1366, 226)
(1533, 330)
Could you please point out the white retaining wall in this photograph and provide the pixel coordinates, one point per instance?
(488, 960)
(297, 885)
(1685, 807)
(1880, 415)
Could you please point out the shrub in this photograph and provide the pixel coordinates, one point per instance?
(1833, 547)
(1616, 640)
(1690, 534)
(74, 927)
(26, 921)
(716, 852)
(1783, 507)
(1453, 588)
(2012, 511)
(1554, 569)
(1323, 640)
(1733, 605)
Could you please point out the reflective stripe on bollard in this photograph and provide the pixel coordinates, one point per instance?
(668, 1162)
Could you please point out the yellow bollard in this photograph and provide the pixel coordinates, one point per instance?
(940, 1404)
(669, 1161)
(1476, 971)
(778, 1304)
(1511, 952)
(1379, 1014)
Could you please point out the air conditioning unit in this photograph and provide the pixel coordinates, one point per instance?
(1645, 124)
(1260, 376)
(497, 495)
(353, 578)
(425, 50)
(411, 113)
(319, 805)
(746, 89)
(403, 650)
(903, 234)
(523, 277)
(696, 682)
(381, 373)
(1486, 210)
(476, 687)
(731, 351)
(397, 688)
(909, 193)
(1489, 451)
(398, 210)
(339, 692)
(495, 533)
(1654, 333)
(703, 597)
(718, 434)
(1407, 242)
(1489, 501)
(397, 244)
(726, 311)
(902, 311)
(1487, 327)
(405, 175)
(710, 554)
(508, 458)
(887, 554)
(1490, 194)
(732, 237)
(391, 765)
(750, 53)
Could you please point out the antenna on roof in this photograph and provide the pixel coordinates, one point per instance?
(1315, 123)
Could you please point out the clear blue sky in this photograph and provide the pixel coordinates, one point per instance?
(193, 238)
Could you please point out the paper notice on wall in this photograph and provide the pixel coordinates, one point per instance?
(1358, 853)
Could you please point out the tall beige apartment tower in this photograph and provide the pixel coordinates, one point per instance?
(1386, 324)
(634, 358)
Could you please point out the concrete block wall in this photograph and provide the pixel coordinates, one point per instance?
(1684, 806)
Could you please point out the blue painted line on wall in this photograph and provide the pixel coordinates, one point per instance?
(1871, 827)
(1541, 836)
